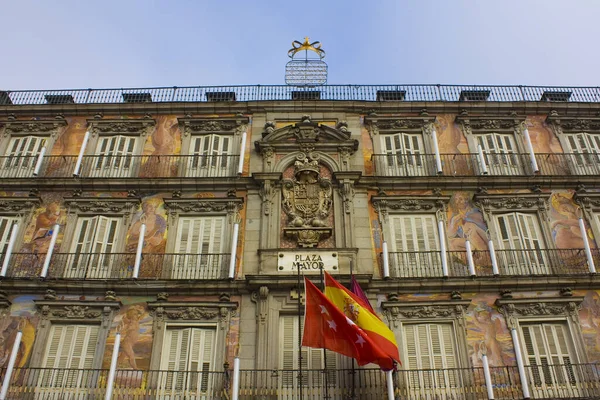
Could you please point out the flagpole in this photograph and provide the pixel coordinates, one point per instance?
(299, 334)
(352, 393)
(324, 350)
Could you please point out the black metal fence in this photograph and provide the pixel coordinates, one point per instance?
(284, 92)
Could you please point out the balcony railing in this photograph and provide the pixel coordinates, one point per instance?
(544, 382)
(498, 164)
(428, 264)
(285, 92)
(117, 266)
(109, 166)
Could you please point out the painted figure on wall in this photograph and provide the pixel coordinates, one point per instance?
(22, 318)
(163, 142)
(154, 238)
(565, 222)
(590, 324)
(452, 141)
(488, 334)
(130, 333)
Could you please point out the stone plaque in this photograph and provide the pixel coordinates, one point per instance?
(309, 262)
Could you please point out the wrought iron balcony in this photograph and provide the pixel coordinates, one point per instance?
(428, 264)
(110, 166)
(545, 382)
(428, 93)
(118, 266)
(498, 164)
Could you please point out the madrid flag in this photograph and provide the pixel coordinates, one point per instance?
(326, 327)
(355, 309)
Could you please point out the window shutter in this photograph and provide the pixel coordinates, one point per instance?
(6, 226)
(22, 153)
(199, 241)
(115, 155)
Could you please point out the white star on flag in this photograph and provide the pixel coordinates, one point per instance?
(332, 325)
(323, 309)
(360, 340)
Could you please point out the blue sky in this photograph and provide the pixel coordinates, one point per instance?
(133, 43)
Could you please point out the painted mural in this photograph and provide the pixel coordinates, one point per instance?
(23, 317)
(542, 138)
(164, 141)
(564, 222)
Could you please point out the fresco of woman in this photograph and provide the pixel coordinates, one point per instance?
(154, 240)
(565, 224)
(130, 333)
(490, 326)
(164, 144)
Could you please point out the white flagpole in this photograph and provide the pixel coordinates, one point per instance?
(113, 367)
(390, 385)
(11, 365)
(586, 244)
(386, 261)
(50, 251)
(38, 164)
(81, 153)
(242, 153)
(234, 241)
(470, 258)
(138, 253)
(236, 379)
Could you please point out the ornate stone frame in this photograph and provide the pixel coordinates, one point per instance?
(123, 207)
(399, 313)
(99, 127)
(191, 314)
(406, 204)
(388, 125)
(563, 126)
(50, 129)
(204, 207)
(534, 203)
(474, 125)
(590, 206)
(89, 312)
(543, 309)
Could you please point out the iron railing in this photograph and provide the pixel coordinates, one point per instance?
(128, 166)
(522, 262)
(415, 92)
(116, 266)
(467, 164)
(544, 382)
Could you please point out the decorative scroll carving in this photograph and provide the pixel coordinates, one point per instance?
(138, 127)
(186, 311)
(18, 204)
(76, 312)
(587, 200)
(528, 201)
(43, 127)
(79, 310)
(512, 309)
(192, 126)
(95, 205)
(192, 313)
(563, 124)
(230, 205)
(307, 202)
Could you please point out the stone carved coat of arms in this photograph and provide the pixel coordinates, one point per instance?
(307, 203)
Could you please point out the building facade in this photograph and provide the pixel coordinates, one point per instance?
(179, 218)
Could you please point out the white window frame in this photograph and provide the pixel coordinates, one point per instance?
(114, 161)
(421, 254)
(208, 157)
(584, 150)
(405, 154)
(191, 383)
(501, 156)
(19, 162)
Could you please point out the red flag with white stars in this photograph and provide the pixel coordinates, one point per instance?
(325, 326)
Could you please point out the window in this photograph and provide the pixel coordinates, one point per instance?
(21, 156)
(68, 358)
(211, 155)
(415, 245)
(404, 154)
(6, 224)
(199, 248)
(430, 346)
(92, 246)
(312, 359)
(188, 357)
(521, 243)
(547, 344)
(114, 157)
(585, 153)
(500, 153)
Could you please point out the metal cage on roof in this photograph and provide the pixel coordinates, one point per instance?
(306, 67)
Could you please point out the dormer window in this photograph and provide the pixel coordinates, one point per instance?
(474, 95)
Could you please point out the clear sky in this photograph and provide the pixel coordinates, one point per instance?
(140, 43)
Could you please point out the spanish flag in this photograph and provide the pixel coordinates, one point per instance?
(354, 308)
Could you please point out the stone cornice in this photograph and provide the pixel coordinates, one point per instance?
(489, 123)
(516, 201)
(13, 126)
(189, 310)
(388, 124)
(76, 309)
(427, 309)
(587, 199)
(137, 126)
(16, 205)
(573, 124)
(513, 309)
(102, 205)
(409, 203)
(205, 205)
(233, 125)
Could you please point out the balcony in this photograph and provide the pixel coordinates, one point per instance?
(498, 164)
(103, 166)
(545, 382)
(118, 266)
(428, 264)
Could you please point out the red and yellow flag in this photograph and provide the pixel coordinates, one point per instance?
(325, 326)
(354, 308)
